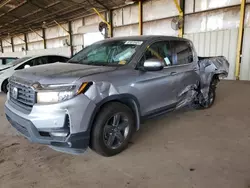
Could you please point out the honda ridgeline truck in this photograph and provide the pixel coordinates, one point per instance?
(100, 96)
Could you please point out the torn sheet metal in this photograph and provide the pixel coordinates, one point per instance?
(208, 68)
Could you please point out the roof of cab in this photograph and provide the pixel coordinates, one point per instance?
(146, 37)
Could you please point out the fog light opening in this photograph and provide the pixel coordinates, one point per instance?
(59, 134)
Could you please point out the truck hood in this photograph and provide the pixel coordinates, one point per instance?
(59, 73)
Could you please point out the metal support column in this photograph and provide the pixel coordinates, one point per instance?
(110, 20)
(182, 5)
(1, 45)
(71, 39)
(240, 39)
(44, 39)
(12, 44)
(140, 17)
(26, 42)
(41, 36)
(181, 14)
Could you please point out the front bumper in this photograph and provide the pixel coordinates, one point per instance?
(74, 143)
(72, 116)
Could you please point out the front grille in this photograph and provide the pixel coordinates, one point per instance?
(19, 127)
(25, 97)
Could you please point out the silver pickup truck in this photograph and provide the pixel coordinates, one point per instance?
(99, 97)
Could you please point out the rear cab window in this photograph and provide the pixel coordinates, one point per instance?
(182, 52)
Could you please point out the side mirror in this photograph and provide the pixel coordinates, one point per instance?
(27, 66)
(153, 65)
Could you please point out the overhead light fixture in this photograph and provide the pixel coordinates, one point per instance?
(129, 2)
(44, 26)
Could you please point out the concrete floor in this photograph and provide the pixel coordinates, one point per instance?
(192, 149)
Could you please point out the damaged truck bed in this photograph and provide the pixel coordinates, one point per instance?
(99, 97)
(210, 71)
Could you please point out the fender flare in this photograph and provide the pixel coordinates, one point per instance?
(130, 100)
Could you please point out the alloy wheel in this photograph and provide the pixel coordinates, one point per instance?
(116, 130)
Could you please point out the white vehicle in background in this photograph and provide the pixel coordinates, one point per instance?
(6, 62)
(24, 63)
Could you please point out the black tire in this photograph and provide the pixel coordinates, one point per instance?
(5, 86)
(98, 141)
(211, 97)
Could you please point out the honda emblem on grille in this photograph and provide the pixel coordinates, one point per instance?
(14, 92)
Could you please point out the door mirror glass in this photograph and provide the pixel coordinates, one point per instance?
(153, 64)
(27, 66)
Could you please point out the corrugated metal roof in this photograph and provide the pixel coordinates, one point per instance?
(17, 16)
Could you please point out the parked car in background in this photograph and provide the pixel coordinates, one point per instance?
(100, 96)
(26, 62)
(6, 62)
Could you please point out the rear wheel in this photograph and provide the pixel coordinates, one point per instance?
(112, 129)
(5, 86)
(204, 104)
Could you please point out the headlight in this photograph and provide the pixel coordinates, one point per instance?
(55, 94)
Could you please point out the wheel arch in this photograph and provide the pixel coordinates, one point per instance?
(5, 80)
(126, 99)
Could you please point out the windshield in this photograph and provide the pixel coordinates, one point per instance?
(107, 53)
(20, 60)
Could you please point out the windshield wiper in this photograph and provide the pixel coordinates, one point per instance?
(96, 64)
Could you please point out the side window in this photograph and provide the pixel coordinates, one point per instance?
(182, 52)
(161, 51)
(39, 61)
(53, 59)
(1, 62)
(30, 63)
(34, 62)
(62, 59)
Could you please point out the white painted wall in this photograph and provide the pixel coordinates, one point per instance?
(212, 21)
(77, 38)
(217, 43)
(13, 54)
(125, 20)
(65, 51)
(159, 27)
(201, 5)
(213, 32)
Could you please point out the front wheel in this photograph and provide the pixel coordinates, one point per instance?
(5, 86)
(112, 129)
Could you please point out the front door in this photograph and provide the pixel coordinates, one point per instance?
(159, 87)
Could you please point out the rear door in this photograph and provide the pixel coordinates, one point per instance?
(185, 68)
